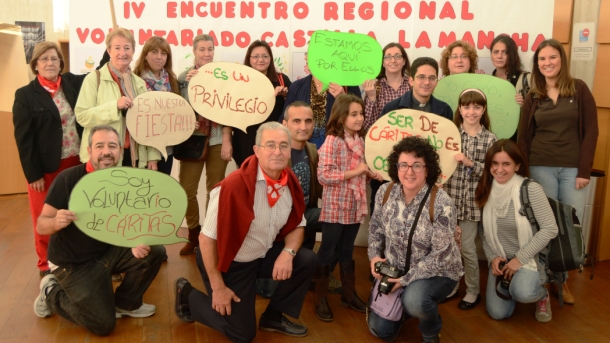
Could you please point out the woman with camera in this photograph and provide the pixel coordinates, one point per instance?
(511, 243)
(435, 265)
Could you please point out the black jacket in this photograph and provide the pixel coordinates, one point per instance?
(436, 106)
(38, 129)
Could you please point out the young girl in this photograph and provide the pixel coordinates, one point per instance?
(343, 173)
(473, 121)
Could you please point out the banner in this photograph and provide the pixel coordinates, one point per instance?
(391, 128)
(424, 28)
(129, 206)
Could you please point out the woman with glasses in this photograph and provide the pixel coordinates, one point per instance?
(435, 266)
(510, 242)
(260, 57)
(47, 134)
(311, 90)
(459, 57)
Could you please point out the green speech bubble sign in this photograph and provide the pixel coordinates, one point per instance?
(129, 206)
(501, 105)
(392, 127)
(347, 59)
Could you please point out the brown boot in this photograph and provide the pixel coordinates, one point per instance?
(567, 296)
(323, 311)
(349, 298)
(193, 243)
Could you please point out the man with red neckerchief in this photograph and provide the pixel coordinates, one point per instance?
(256, 233)
(80, 287)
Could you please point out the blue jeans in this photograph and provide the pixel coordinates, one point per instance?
(525, 287)
(560, 184)
(420, 300)
(339, 237)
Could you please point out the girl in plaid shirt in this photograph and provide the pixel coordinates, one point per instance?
(343, 173)
(473, 122)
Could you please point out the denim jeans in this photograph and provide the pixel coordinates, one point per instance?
(525, 287)
(339, 237)
(85, 296)
(420, 300)
(560, 184)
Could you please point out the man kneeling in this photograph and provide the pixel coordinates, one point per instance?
(256, 233)
(80, 287)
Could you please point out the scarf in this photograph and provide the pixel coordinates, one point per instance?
(497, 207)
(89, 167)
(50, 86)
(275, 188)
(126, 88)
(154, 84)
(356, 184)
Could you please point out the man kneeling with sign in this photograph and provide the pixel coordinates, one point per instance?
(80, 287)
(256, 233)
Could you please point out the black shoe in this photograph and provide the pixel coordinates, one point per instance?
(182, 310)
(435, 339)
(44, 273)
(464, 305)
(285, 326)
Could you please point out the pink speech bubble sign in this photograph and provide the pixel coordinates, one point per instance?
(232, 94)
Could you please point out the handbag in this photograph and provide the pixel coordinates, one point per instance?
(389, 306)
(194, 149)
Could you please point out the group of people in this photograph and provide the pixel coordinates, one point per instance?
(261, 220)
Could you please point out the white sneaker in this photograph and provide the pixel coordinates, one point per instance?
(146, 310)
(40, 305)
(543, 309)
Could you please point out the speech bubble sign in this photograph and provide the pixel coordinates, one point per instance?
(159, 119)
(129, 206)
(232, 94)
(501, 105)
(347, 59)
(392, 127)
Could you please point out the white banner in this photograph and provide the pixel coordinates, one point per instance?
(424, 28)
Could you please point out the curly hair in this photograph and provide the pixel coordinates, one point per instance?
(420, 147)
(468, 49)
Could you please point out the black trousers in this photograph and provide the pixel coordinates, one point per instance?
(288, 298)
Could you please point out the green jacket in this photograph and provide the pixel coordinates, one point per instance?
(97, 105)
(315, 188)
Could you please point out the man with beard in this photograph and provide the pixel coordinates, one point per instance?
(80, 287)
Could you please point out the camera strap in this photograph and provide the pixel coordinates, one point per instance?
(414, 227)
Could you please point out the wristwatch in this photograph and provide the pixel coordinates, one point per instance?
(290, 251)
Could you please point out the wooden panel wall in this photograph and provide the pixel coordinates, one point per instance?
(562, 20)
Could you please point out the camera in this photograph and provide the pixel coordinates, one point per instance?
(504, 283)
(388, 272)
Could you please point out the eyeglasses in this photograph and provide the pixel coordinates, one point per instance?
(422, 78)
(271, 146)
(257, 57)
(416, 167)
(390, 57)
(53, 60)
(461, 57)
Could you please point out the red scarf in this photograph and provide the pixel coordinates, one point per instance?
(89, 167)
(50, 86)
(275, 188)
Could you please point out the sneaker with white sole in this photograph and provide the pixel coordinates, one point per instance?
(40, 305)
(543, 309)
(146, 310)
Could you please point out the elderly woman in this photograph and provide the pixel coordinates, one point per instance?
(558, 131)
(260, 57)
(220, 148)
(435, 266)
(47, 135)
(459, 57)
(154, 66)
(310, 90)
(508, 237)
(107, 95)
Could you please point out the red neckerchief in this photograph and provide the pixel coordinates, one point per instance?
(49, 86)
(275, 188)
(89, 167)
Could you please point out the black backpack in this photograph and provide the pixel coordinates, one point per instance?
(566, 251)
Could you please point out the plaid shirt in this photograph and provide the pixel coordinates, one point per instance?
(373, 109)
(338, 201)
(462, 185)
